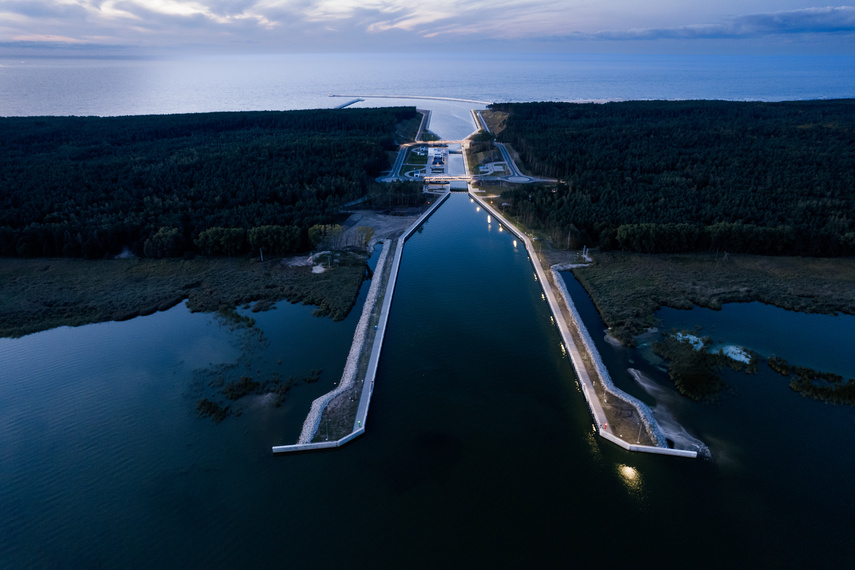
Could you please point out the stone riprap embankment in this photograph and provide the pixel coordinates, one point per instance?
(348, 377)
(585, 380)
(643, 409)
(362, 335)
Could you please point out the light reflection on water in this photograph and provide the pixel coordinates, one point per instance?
(632, 480)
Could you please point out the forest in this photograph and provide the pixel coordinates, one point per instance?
(174, 185)
(677, 176)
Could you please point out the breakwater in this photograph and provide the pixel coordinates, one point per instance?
(360, 337)
(644, 413)
(414, 97)
(586, 382)
(348, 377)
(349, 103)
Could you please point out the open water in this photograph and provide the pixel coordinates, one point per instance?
(135, 87)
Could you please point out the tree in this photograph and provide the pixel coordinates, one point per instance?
(364, 235)
(328, 235)
(222, 241)
(276, 240)
(166, 242)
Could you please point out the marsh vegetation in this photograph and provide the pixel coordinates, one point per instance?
(824, 386)
(39, 294)
(628, 288)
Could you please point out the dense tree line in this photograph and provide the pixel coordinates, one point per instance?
(165, 185)
(657, 176)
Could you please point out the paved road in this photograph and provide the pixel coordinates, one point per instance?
(507, 156)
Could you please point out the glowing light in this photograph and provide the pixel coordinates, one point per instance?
(501, 229)
(478, 209)
(628, 473)
(489, 219)
(632, 480)
(515, 243)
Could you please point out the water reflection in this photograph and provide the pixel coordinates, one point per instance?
(631, 479)
(822, 342)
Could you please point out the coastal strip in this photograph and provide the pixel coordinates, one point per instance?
(423, 126)
(480, 123)
(585, 380)
(310, 425)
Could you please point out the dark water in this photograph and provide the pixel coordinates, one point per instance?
(479, 450)
(780, 461)
(103, 460)
(822, 342)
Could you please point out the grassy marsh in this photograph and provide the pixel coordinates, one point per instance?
(628, 288)
(40, 294)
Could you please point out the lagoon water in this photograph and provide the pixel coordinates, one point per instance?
(479, 450)
(821, 342)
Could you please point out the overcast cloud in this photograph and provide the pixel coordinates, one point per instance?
(372, 25)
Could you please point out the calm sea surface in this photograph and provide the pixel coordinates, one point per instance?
(131, 87)
(479, 451)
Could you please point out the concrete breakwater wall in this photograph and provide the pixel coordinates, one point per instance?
(348, 377)
(360, 336)
(585, 381)
(380, 334)
(643, 409)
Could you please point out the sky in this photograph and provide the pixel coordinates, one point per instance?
(139, 27)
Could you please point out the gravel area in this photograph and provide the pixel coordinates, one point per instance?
(643, 410)
(348, 377)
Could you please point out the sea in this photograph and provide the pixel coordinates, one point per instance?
(106, 87)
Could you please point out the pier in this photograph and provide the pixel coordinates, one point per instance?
(586, 382)
(312, 421)
(349, 103)
(415, 97)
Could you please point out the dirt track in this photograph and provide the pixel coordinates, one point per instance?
(386, 226)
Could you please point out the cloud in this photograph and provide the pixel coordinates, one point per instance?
(327, 25)
(827, 20)
(39, 9)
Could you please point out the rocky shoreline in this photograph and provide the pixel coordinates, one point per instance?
(360, 336)
(644, 412)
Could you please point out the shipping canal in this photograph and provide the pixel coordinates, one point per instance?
(480, 450)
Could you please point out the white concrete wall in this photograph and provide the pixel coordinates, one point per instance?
(310, 425)
(588, 391)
